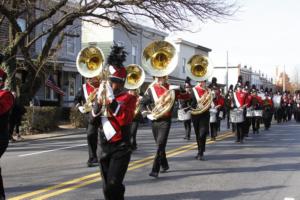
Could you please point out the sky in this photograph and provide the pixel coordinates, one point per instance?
(263, 34)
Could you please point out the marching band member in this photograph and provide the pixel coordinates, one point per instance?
(81, 99)
(256, 103)
(268, 109)
(279, 110)
(114, 109)
(248, 110)
(200, 121)
(185, 104)
(161, 126)
(240, 103)
(228, 106)
(290, 103)
(217, 104)
(6, 104)
(284, 106)
(297, 106)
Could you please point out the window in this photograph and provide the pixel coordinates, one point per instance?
(22, 23)
(134, 50)
(71, 45)
(183, 64)
(72, 87)
(49, 93)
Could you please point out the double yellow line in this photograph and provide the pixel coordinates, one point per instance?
(68, 186)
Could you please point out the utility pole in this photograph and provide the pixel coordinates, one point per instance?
(283, 79)
(227, 72)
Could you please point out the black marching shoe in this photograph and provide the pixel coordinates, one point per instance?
(153, 174)
(199, 157)
(133, 147)
(164, 169)
(92, 162)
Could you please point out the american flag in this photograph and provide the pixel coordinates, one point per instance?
(51, 83)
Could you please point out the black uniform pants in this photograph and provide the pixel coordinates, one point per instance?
(267, 118)
(279, 114)
(13, 124)
(255, 124)
(133, 131)
(213, 130)
(3, 146)
(289, 110)
(247, 125)
(160, 130)
(92, 137)
(240, 127)
(201, 127)
(113, 161)
(187, 127)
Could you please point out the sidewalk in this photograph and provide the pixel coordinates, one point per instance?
(68, 129)
(63, 130)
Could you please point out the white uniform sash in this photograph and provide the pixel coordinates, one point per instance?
(196, 94)
(86, 95)
(238, 105)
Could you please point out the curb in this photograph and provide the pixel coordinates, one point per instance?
(49, 136)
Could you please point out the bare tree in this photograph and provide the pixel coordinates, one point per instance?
(164, 14)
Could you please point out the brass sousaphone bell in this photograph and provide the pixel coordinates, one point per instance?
(199, 68)
(135, 76)
(159, 59)
(90, 61)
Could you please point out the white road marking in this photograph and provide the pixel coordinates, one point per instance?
(289, 198)
(40, 152)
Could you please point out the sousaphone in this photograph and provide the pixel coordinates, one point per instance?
(89, 64)
(135, 76)
(199, 68)
(90, 61)
(159, 59)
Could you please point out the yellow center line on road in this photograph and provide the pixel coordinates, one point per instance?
(95, 177)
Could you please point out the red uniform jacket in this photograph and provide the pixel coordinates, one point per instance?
(268, 102)
(123, 114)
(6, 101)
(219, 101)
(158, 90)
(6, 104)
(248, 100)
(198, 92)
(239, 98)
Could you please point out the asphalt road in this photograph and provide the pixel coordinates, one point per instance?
(266, 166)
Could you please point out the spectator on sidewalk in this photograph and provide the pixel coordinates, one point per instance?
(6, 104)
(15, 119)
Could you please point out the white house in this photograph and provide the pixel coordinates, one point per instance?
(104, 37)
(185, 51)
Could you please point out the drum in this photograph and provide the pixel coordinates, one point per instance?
(236, 116)
(277, 101)
(249, 112)
(183, 115)
(221, 114)
(258, 113)
(213, 115)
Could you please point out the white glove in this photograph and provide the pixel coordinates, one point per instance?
(109, 92)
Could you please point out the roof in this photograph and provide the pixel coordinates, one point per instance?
(181, 41)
